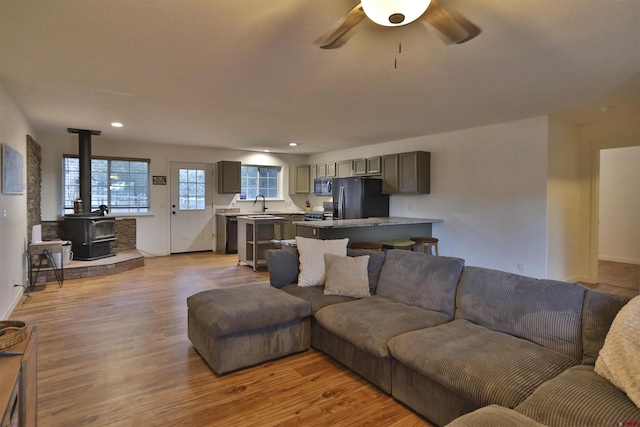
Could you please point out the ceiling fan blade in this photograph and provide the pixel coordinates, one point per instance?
(337, 35)
(452, 26)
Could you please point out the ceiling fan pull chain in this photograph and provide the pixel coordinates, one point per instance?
(399, 37)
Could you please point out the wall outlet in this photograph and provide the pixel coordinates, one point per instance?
(521, 268)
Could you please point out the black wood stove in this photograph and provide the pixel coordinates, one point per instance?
(90, 235)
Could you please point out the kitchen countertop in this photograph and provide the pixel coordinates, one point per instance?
(365, 222)
(268, 212)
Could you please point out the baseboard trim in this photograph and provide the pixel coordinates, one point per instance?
(14, 303)
(617, 259)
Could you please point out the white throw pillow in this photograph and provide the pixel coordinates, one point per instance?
(347, 276)
(311, 254)
(619, 359)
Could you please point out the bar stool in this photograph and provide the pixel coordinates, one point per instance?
(426, 243)
(398, 244)
(370, 246)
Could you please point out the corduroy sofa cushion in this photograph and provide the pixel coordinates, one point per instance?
(580, 397)
(245, 308)
(315, 296)
(494, 416)
(546, 312)
(420, 280)
(484, 366)
(600, 308)
(369, 323)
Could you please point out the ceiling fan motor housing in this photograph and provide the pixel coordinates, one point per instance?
(391, 13)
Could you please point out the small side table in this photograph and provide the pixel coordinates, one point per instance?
(44, 251)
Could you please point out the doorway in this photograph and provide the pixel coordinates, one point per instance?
(191, 207)
(619, 218)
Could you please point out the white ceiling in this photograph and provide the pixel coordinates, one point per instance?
(244, 73)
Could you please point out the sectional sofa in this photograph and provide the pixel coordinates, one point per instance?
(469, 345)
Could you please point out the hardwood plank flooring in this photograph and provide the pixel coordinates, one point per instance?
(618, 278)
(113, 351)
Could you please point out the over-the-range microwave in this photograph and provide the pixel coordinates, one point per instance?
(322, 186)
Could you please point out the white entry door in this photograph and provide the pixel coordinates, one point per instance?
(191, 207)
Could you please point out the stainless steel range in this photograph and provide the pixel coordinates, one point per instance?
(90, 235)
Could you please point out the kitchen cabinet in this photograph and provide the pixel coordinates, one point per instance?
(289, 228)
(256, 234)
(299, 179)
(359, 166)
(374, 165)
(331, 170)
(390, 179)
(321, 170)
(344, 168)
(229, 177)
(415, 172)
(407, 173)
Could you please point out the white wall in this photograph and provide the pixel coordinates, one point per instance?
(14, 129)
(620, 205)
(563, 201)
(489, 184)
(153, 230)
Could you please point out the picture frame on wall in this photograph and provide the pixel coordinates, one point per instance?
(12, 171)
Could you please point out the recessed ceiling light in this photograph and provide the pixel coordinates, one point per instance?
(267, 151)
(117, 124)
(293, 144)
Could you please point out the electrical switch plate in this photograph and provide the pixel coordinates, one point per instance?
(4, 213)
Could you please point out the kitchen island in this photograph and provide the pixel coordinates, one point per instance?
(366, 229)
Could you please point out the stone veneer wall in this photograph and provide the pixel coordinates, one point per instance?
(34, 182)
(125, 233)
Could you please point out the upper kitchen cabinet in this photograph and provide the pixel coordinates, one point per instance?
(344, 168)
(321, 170)
(299, 179)
(408, 173)
(229, 177)
(374, 165)
(390, 178)
(331, 170)
(360, 166)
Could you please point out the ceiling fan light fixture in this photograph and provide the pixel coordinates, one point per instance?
(393, 13)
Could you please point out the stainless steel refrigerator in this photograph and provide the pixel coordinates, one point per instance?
(359, 197)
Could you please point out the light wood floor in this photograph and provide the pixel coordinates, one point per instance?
(113, 351)
(618, 278)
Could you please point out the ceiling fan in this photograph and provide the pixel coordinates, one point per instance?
(452, 27)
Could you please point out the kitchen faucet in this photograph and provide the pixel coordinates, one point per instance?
(264, 208)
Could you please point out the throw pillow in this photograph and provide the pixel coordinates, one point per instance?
(311, 254)
(619, 359)
(346, 276)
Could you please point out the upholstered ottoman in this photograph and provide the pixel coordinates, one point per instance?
(236, 327)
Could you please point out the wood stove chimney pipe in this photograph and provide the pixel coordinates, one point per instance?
(84, 156)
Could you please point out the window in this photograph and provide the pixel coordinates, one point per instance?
(191, 189)
(260, 180)
(121, 184)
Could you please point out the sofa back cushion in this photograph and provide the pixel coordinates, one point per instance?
(600, 308)
(546, 312)
(283, 266)
(420, 280)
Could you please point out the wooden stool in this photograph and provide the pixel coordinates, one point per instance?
(370, 246)
(398, 244)
(426, 243)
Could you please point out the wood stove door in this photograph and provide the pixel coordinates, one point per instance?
(191, 207)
